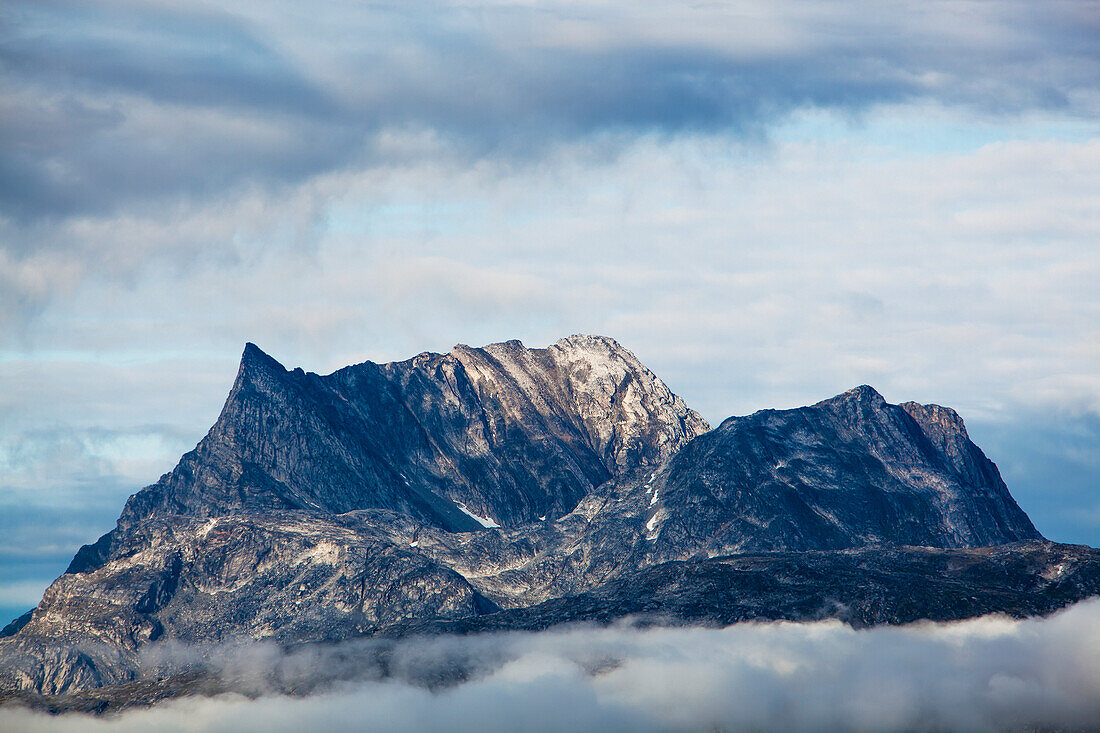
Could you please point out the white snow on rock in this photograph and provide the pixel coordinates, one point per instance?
(485, 522)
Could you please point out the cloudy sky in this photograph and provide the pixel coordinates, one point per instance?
(768, 202)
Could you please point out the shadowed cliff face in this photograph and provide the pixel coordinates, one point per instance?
(325, 507)
(851, 471)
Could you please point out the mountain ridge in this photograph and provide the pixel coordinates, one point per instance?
(358, 503)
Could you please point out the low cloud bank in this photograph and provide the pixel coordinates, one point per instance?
(988, 674)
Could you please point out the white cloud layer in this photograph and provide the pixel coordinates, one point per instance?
(989, 674)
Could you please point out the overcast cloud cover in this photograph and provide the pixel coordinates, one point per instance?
(988, 674)
(769, 202)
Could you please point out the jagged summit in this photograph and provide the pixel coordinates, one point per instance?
(594, 343)
(252, 352)
(502, 433)
(864, 393)
(255, 359)
(594, 347)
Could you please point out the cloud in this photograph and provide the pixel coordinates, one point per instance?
(125, 101)
(989, 674)
(62, 488)
(65, 472)
(118, 104)
(147, 142)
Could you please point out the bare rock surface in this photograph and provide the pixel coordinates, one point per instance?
(512, 488)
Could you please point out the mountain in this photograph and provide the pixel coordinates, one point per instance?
(503, 488)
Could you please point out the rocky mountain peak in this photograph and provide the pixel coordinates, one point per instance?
(850, 471)
(864, 393)
(855, 402)
(255, 362)
(634, 416)
(511, 487)
(594, 344)
(623, 411)
(936, 418)
(500, 434)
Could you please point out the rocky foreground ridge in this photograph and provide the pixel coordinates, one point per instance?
(512, 488)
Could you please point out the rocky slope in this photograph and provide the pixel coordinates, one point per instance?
(321, 508)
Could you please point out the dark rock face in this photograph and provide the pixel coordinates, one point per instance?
(848, 472)
(321, 508)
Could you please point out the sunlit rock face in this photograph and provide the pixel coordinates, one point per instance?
(506, 487)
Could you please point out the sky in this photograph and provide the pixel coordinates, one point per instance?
(768, 202)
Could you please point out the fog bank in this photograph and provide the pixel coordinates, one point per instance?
(987, 674)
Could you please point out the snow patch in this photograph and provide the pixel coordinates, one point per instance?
(653, 501)
(828, 516)
(652, 523)
(207, 526)
(414, 543)
(1055, 572)
(486, 522)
